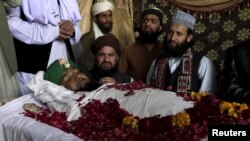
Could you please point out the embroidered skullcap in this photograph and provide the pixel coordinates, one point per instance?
(106, 40)
(56, 70)
(184, 18)
(101, 6)
(155, 11)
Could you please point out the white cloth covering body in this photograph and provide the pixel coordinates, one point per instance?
(36, 32)
(144, 103)
(14, 126)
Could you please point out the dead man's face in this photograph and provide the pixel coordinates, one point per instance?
(74, 80)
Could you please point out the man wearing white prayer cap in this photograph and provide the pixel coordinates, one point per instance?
(102, 23)
(184, 18)
(180, 69)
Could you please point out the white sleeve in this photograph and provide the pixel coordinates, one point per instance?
(28, 32)
(207, 75)
(151, 73)
(76, 38)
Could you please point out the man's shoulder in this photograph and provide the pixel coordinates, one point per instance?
(87, 36)
(134, 46)
(122, 78)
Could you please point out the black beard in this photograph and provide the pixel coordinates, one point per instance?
(177, 51)
(149, 37)
(100, 72)
(104, 29)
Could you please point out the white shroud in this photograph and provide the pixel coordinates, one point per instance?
(144, 103)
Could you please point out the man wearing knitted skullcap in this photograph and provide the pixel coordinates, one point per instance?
(65, 72)
(137, 57)
(155, 11)
(102, 23)
(180, 69)
(106, 49)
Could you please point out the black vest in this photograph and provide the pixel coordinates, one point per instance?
(195, 81)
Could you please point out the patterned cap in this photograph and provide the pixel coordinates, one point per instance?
(184, 18)
(56, 70)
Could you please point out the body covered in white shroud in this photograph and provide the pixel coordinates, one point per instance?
(144, 103)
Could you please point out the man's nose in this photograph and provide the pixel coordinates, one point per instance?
(109, 18)
(173, 37)
(106, 58)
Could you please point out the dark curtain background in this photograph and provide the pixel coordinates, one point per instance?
(214, 31)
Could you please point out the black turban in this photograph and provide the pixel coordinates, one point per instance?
(106, 40)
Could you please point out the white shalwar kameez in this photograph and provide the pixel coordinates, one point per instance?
(36, 31)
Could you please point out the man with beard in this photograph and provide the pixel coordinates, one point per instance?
(137, 57)
(102, 22)
(106, 49)
(66, 73)
(180, 69)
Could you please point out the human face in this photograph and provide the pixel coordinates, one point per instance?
(177, 35)
(106, 58)
(104, 20)
(73, 79)
(150, 23)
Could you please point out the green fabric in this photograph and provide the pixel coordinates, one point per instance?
(6, 42)
(9, 87)
(55, 71)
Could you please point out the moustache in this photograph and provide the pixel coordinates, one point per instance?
(106, 62)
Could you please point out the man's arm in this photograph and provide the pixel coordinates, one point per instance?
(151, 73)
(123, 61)
(230, 88)
(13, 3)
(28, 32)
(207, 75)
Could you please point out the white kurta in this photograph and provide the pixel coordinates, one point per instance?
(36, 33)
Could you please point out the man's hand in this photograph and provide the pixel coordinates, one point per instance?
(106, 80)
(66, 29)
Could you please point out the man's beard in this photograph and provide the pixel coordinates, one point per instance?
(104, 28)
(106, 72)
(149, 37)
(176, 51)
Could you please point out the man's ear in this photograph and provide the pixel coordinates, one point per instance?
(160, 29)
(93, 18)
(190, 37)
(117, 57)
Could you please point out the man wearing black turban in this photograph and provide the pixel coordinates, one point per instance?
(106, 50)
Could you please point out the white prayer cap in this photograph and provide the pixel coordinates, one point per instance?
(184, 18)
(101, 6)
